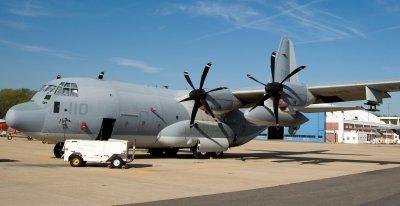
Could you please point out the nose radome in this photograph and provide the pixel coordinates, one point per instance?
(26, 117)
(11, 118)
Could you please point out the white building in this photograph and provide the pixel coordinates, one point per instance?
(342, 126)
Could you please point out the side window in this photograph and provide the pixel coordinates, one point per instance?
(56, 107)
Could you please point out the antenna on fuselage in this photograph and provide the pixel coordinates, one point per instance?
(101, 75)
(58, 76)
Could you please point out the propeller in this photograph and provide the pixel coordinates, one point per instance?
(274, 89)
(199, 95)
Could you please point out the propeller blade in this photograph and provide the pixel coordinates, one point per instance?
(260, 102)
(204, 75)
(186, 99)
(273, 56)
(293, 73)
(186, 74)
(204, 102)
(217, 89)
(194, 112)
(254, 79)
(275, 104)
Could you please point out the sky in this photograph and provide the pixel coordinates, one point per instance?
(153, 42)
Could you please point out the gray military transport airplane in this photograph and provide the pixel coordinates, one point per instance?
(208, 121)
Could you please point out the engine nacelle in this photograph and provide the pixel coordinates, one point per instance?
(265, 116)
(222, 101)
(209, 136)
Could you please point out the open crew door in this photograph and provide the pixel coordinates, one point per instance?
(106, 129)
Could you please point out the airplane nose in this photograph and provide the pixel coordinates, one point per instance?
(26, 117)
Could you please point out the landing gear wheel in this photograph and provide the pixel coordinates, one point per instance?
(117, 162)
(76, 161)
(215, 154)
(9, 137)
(156, 152)
(58, 150)
(171, 152)
(200, 155)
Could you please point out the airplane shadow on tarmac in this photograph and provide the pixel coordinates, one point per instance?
(8, 160)
(282, 157)
(287, 156)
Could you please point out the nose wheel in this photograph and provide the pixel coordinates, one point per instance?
(58, 150)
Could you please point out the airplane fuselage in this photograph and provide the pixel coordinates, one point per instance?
(99, 109)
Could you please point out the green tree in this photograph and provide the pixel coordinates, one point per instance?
(11, 97)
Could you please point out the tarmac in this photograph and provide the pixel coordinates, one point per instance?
(257, 173)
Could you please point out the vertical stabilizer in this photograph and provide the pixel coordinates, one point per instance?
(285, 61)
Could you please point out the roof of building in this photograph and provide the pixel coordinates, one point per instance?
(354, 115)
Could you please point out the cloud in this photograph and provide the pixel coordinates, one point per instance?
(391, 6)
(319, 25)
(28, 9)
(234, 13)
(14, 24)
(36, 49)
(304, 22)
(392, 28)
(136, 64)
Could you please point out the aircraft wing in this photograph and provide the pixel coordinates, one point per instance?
(249, 95)
(372, 91)
(328, 108)
(354, 92)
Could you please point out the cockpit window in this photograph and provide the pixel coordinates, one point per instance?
(42, 89)
(67, 89)
(48, 88)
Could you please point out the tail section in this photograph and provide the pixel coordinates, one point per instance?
(285, 62)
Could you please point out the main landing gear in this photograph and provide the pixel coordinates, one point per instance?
(207, 155)
(172, 152)
(160, 152)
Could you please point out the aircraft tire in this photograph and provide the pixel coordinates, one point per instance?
(200, 155)
(171, 152)
(117, 162)
(58, 150)
(215, 154)
(76, 161)
(156, 152)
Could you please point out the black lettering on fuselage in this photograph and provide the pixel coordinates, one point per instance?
(83, 109)
(78, 108)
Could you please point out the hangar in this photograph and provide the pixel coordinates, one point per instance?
(339, 127)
